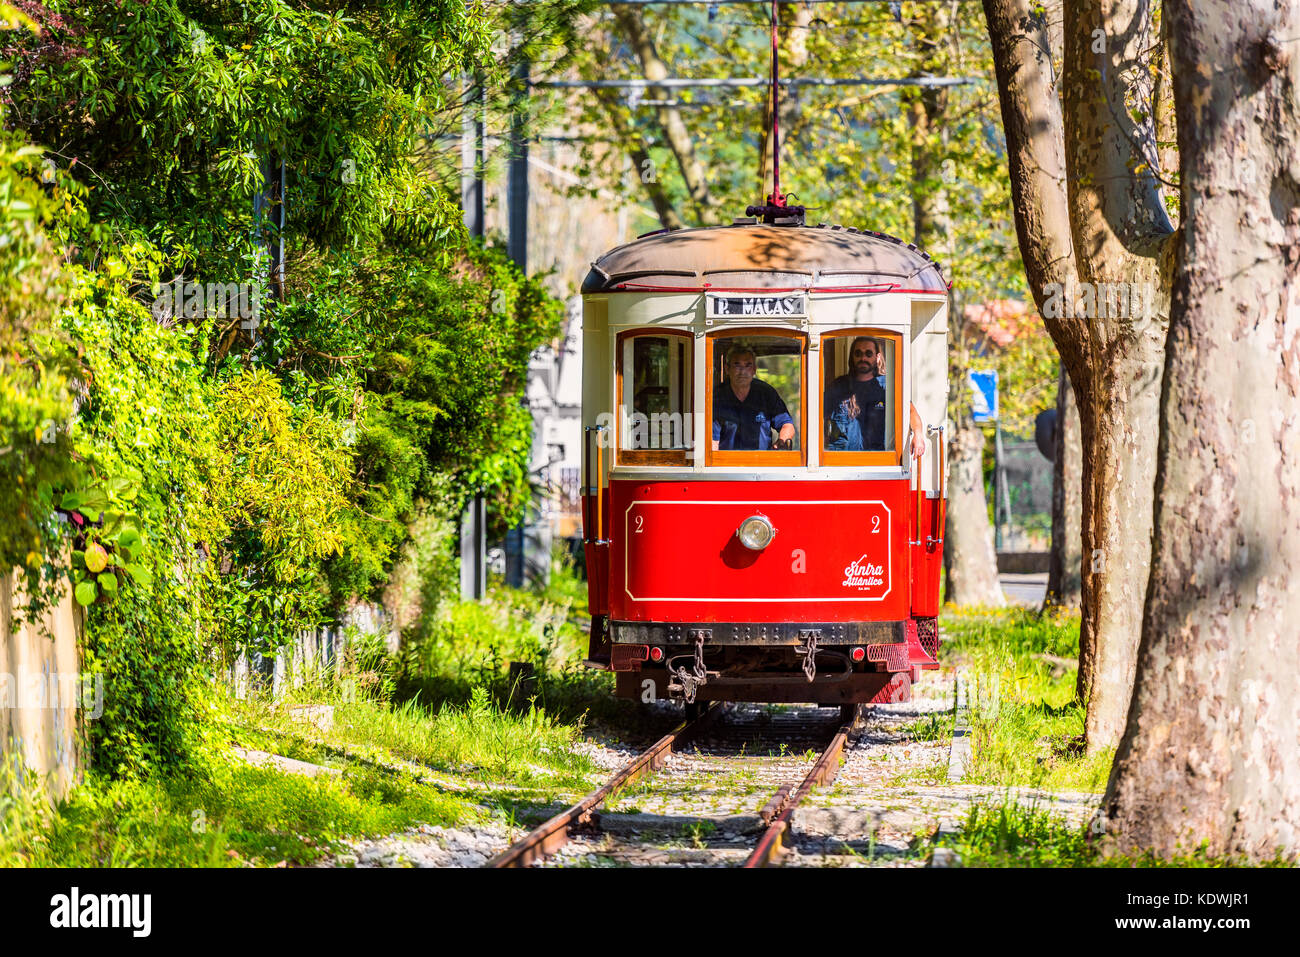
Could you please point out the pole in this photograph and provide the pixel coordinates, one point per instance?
(998, 482)
(472, 158)
(473, 522)
(517, 247)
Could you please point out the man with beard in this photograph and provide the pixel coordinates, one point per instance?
(854, 404)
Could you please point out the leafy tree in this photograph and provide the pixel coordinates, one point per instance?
(272, 467)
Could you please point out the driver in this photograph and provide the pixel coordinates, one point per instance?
(746, 410)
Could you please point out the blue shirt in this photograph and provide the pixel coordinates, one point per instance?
(864, 432)
(748, 425)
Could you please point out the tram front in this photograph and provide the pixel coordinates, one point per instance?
(758, 524)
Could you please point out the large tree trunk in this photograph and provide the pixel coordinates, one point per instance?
(1024, 41)
(1120, 231)
(1211, 751)
(1115, 216)
(1064, 573)
(1119, 433)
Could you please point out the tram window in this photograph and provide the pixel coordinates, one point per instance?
(860, 379)
(656, 413)
(756, 394)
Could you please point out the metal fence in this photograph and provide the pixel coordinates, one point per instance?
(1023, 498)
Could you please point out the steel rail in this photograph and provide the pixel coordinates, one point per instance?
(554, 834)
(777, 812)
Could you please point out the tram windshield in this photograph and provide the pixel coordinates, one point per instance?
(756, 393)
(860, 379)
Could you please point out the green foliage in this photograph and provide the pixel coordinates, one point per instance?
(200, 93)
(37, 368)
(145, 430)
(268, 481)
(433, 384)
(851, 154)
(455, 648)
(282, 476)
(24, 814)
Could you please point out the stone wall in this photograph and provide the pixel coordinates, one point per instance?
(42, 691)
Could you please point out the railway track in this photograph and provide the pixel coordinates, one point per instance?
(556, 832)
(776, 814)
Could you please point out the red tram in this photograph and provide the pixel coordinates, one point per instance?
(756, 525)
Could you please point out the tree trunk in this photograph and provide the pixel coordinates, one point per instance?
(970, 563)
(1120, 231)
(677, 135)
(1025, 44)
(1211, 749)
(1064, 574)
(1119, 433)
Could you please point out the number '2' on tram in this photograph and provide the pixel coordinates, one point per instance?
(758, 524)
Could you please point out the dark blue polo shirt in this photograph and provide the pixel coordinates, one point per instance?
(749, 424)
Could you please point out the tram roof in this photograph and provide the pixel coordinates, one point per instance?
(746, 256)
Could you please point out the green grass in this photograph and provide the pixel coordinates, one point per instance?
(235, 815)
(1010, 835)
(1026, 726)
(1015, 835)
(444, 704)
(935, 728)
(1014, 630)
(477, 740)
(464, 645)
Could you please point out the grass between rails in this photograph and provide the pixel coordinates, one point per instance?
(1026, 727)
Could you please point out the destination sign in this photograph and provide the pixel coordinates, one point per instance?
(723, 306)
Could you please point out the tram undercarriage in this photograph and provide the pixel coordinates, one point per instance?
(843, 663)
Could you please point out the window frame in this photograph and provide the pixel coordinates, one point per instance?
(669, 457)
(757, 457)
(834, 458)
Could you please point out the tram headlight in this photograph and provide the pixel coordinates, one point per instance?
(756, 532)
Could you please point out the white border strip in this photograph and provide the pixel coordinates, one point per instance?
(760, 502)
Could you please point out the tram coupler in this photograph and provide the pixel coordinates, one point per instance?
(688, 682)
(808, 648)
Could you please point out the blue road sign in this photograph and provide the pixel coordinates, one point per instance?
(984, 395)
